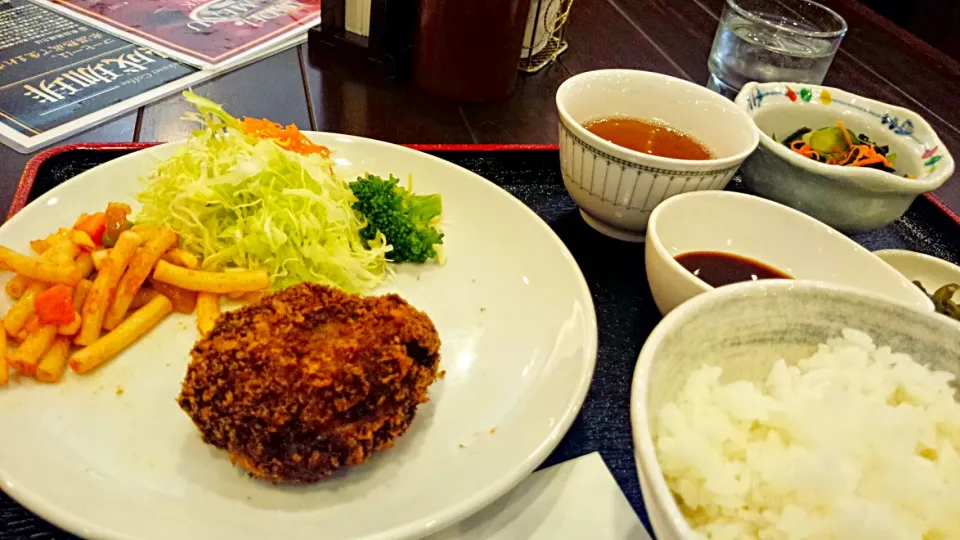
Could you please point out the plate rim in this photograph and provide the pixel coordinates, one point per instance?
(77, 524)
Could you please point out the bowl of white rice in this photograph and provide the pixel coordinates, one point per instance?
(784, 409)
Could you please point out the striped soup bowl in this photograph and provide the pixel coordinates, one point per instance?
(617, 188)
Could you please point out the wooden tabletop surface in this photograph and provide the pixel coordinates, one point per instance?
(876, 59)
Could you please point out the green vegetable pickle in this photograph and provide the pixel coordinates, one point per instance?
(943, 299)
(406, 220)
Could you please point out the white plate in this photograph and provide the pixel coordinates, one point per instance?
(931, 272)
(519, 347)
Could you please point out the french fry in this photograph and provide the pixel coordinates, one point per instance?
(215, 282)
(61, 252)
(181, 257)
(17, 286)
(184, 301)
(28, 354)
(4, 369)
(137, 272)
(42, 245)
(142, 297)
(147, 232)
(20, 313)
(253, 297)
(208, 309)
(82, 240)
(98, 257)
(38, 268)
(53, 362)
(95, 306)
(84, 263)
(80, 293)
(33, 324)
(70, 329)
(39, 246)
(130, 330)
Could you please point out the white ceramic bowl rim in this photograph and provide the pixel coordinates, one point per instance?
(793, 30)
(937, 262)
(645, 453)
(654, 238)
(663, 162)
(922, 259)
(868, 178)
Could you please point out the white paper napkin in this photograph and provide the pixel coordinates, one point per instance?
(575, 499)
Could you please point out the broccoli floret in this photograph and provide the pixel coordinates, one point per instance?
(404, 219)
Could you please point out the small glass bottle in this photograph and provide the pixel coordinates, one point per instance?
(469, 50)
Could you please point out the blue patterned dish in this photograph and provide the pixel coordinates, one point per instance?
(852, 199)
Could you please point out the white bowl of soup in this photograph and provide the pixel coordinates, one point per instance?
(631, 139)
(697, 242)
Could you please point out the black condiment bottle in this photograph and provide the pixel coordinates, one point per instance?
(469, 50)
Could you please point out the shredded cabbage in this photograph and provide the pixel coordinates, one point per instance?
(243, 202)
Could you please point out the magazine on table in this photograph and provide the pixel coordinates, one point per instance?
(211, 34)
(59, 76)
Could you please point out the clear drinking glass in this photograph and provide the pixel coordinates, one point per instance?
(773, 41)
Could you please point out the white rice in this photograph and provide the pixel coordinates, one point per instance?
(855, 442)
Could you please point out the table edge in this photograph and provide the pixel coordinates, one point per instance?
(33, 166)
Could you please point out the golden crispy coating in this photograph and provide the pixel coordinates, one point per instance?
(310, 380)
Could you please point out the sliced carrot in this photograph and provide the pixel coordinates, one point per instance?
(54, 305)
(93, 225)
(846, 134)
(289, 137)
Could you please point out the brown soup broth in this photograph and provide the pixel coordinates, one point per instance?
(718, 268)
(648, 137)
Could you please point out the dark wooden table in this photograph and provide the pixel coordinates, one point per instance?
(876, 59)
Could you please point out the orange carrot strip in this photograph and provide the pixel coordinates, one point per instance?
(93, 225)
(54, 305)
(846, 134)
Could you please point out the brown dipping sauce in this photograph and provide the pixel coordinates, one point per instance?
(648, 137)
(719, 269)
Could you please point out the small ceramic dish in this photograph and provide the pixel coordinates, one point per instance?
(744, 329)
(617, 188)
(773, 234)
(851, 199)
(931, 272)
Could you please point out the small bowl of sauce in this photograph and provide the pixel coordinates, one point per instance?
(631, 139)
(649, 137)
(718, 268)
(698, 242)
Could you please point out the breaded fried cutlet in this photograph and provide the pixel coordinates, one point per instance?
(310, 380)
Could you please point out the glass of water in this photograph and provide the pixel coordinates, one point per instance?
(773, 41)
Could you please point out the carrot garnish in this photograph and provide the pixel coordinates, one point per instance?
(54, 305)
(856, 153)
(289, 137)
(93, 225)
(846, 134)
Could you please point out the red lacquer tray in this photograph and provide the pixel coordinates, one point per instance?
(614, 270)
